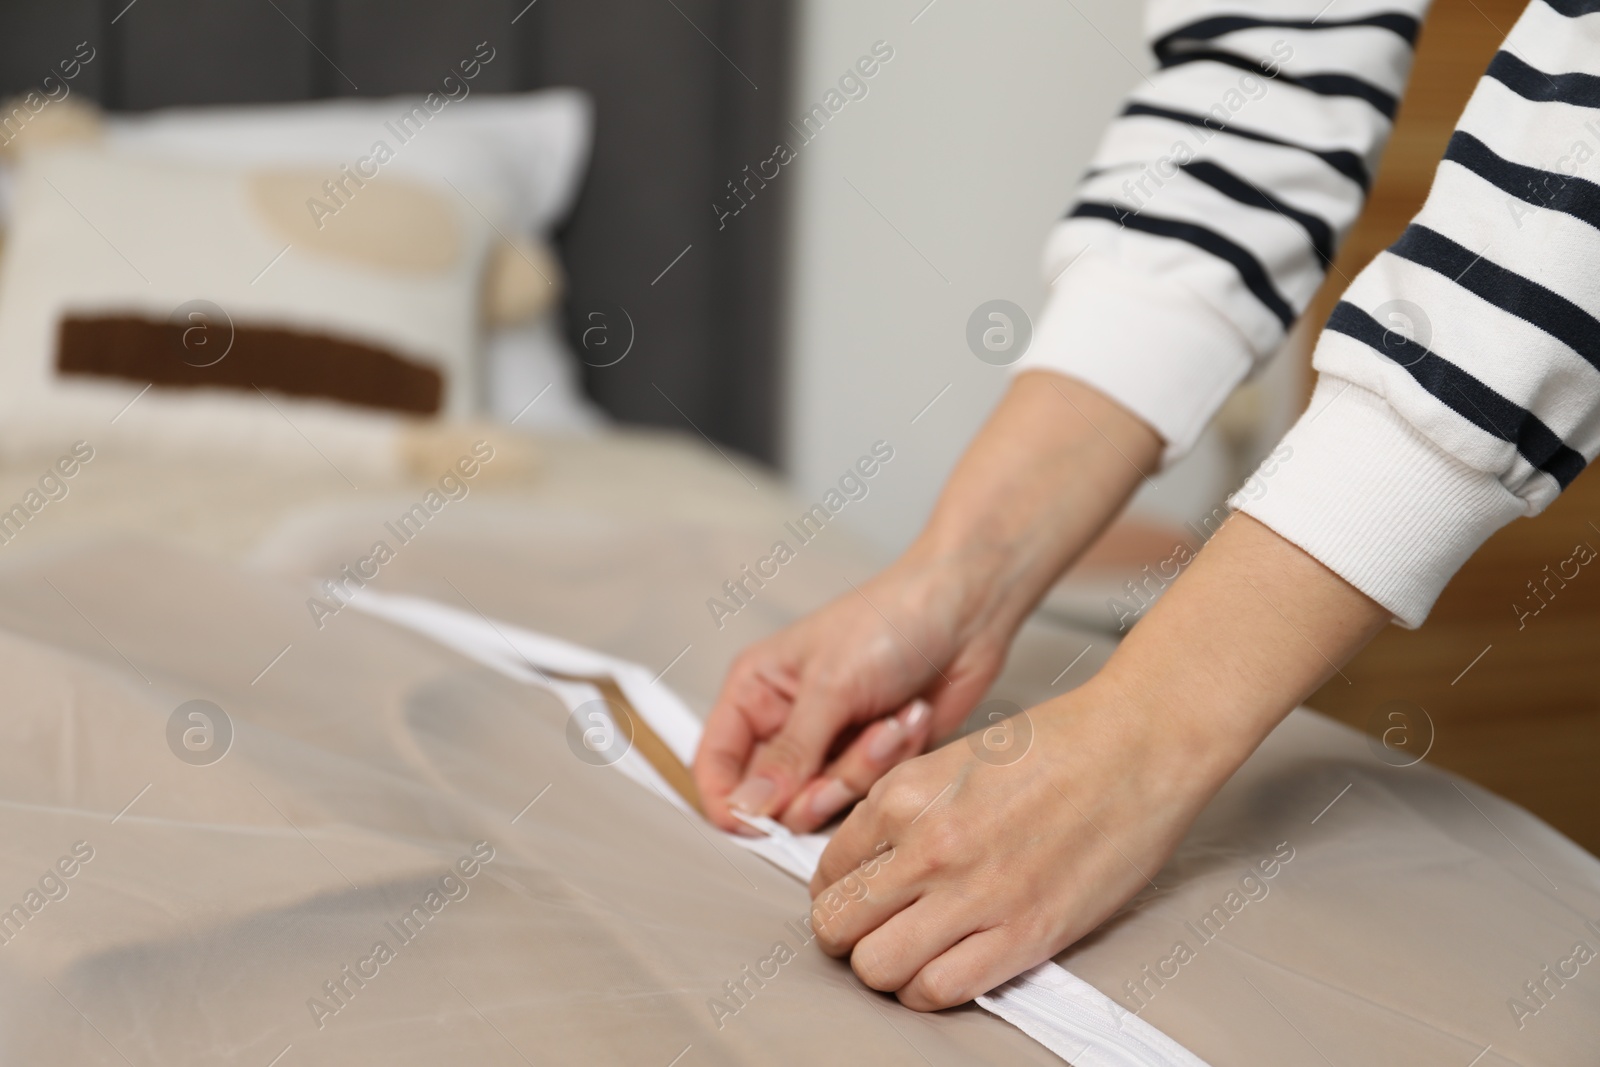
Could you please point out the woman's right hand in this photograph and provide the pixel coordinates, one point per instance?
(810, 717)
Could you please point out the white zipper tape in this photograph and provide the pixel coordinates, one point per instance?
(1050, 1004)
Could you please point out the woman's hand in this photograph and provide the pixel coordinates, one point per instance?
(1003, 857)
(808, 719)
(859, 686)
(969, 865)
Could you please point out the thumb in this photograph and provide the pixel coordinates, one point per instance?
(792, 757)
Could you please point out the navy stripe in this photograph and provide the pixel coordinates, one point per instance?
(1573, 8)
(1463, 394)
(1506, 290)
(1347, 163)
(1218, 25)
(1231, 185)
(1577, 197)
(1250, 270)
(1531, 83)
(1321, 84)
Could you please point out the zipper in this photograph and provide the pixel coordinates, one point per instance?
(1080, 1024)
(1049, 1003)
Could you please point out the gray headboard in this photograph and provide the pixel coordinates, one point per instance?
(687, 93)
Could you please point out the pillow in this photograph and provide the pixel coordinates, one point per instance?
(518, 157)
(523, 278)
(522, 282)
(536, 381)
(123, 271)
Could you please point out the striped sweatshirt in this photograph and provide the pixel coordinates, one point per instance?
(1459, 378)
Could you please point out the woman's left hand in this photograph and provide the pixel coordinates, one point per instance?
(965, 867)
(1007, 849)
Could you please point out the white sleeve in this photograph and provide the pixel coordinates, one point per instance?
(1460, 375)
(1218, 197)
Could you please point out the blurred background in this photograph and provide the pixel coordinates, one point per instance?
(793, 307)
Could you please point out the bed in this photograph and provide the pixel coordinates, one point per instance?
(246, 821)
(1405, 913)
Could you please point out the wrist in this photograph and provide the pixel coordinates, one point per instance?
(1189, 737)
(1054, 465)
(1248, 632)
(988, 582)
(1164, 753)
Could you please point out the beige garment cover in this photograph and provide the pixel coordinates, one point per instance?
(223, 903)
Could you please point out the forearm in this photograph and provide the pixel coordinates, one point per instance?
(1053, 465)
(1250, 630)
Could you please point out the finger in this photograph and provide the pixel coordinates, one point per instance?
(879, 748)
(953, 701)
(972, 967)
(749, 707)
(782, 682)
(890, 956)
(869, 895)
(719, 765)
(858, 839)
(788, 759)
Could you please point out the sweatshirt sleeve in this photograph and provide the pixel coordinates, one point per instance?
(1459, 379)
(1218, 197)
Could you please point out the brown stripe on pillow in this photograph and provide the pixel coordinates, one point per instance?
(296, 362)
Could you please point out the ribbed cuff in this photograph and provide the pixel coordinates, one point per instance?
(1375, 501)
(1153, 348)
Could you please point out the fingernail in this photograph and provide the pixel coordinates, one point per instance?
(752, 795)
(917, 714)
(888, 739)
(826, 801)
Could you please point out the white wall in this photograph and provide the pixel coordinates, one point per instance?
(969, 143)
